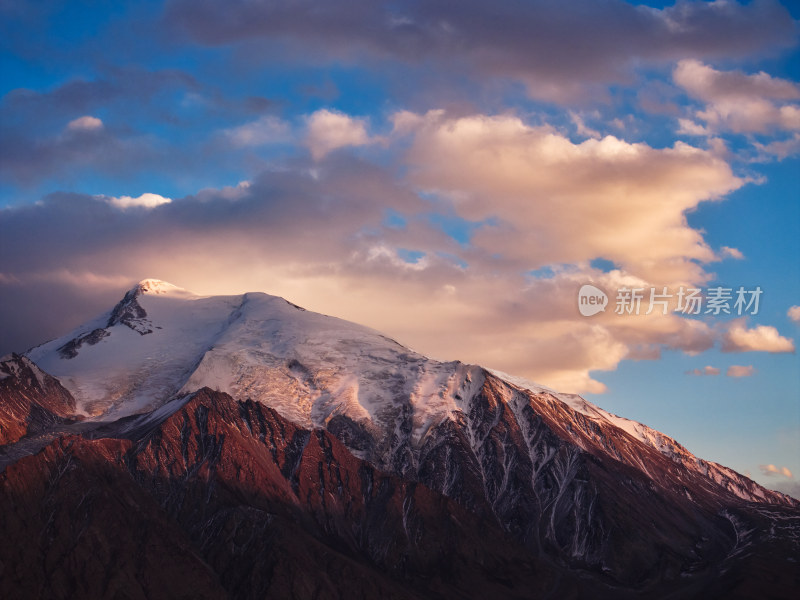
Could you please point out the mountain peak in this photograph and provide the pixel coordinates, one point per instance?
(157, 286)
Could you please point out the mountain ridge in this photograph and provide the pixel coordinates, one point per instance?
(266, 348)
(582, 495)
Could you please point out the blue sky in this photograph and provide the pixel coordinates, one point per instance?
(450, 176)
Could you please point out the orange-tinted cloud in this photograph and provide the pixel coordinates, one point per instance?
(329, 130)
(86, 123)
(728, 252)
(316, 233)
(550, 200)
(739, 102)
(762, 338)
(772, 470)
(318, 241)
(741, 371)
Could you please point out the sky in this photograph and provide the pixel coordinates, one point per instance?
(451, 174)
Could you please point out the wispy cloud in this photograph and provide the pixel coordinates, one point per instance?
(772, 471)
(780, 149)
(267, 129)
(707, 370)
(741, 371)
(728, 252)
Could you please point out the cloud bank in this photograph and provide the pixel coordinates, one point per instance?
(347, 237)
(557, 50)
(464, 231)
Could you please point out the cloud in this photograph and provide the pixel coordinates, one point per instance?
(581, 127)
(444, 245)
(707, 370)
(689, 127)
(794, 313)
(315, 234)
(77, 279)
(86, 123)
(772, 470)
(779, 149)
(556, 50)
(130, 90)
(738, 102)
(740, 371)
(542, 199)
(265, 130)
(329, 130)
(762, 338)
(51, 138)
(728, 252)
(318, 233)
(79, 146)
(146, 200)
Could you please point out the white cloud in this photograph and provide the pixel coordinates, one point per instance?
(762, 338)
(265, 130)
(86, 123)
(329, 130)
(146, 200)
(738, 102)
(741, 371)
(794, 313)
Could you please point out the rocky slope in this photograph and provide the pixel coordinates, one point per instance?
(225, 498)
(31, 401)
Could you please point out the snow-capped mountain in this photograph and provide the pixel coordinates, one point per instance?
(161, 340)
(587, 496)
(379, 397)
